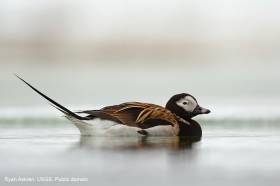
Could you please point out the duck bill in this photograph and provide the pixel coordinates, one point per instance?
(200, 110)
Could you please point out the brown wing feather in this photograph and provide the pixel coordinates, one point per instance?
(135, 113)
(156, 112)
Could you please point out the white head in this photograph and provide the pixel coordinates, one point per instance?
(188, 103)
(185, 106)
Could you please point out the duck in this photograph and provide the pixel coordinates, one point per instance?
(137, 118)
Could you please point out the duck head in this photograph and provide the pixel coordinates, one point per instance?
(185, 106)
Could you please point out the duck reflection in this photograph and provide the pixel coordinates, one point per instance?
(136, 143)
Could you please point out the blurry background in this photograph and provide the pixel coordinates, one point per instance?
(100, 52)
(91, 53)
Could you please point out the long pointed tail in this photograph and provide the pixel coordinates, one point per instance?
(55, 104)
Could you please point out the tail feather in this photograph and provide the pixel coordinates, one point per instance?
(55, 104)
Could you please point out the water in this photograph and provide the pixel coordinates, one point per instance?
(230, 153)
(240, 143)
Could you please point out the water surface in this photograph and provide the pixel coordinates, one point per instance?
(230, 153)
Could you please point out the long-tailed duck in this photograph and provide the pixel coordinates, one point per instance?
(135, 118)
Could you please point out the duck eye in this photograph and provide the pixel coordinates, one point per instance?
(185, 103)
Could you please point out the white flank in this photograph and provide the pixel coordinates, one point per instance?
(99, 127)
